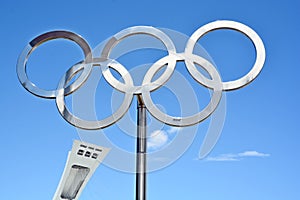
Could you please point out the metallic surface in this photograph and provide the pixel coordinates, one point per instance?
(137, 30)
(23, 58)
(247, 31)
(98, 124)
(141, 150)
(128, 88)
(194, 119)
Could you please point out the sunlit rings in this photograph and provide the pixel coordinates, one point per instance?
(127, 87)
(21, 65)
(146, 30)
(194, 119)
(97, 124)
(251, 34)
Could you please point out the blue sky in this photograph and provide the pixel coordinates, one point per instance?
(256, 156)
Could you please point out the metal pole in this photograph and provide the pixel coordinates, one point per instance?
(141, 150)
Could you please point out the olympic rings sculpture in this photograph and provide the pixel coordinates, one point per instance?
(128, 87)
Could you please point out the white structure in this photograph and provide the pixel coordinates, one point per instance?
(83, 160)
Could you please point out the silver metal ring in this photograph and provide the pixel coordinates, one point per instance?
(147, 30)
(194, 119)
(224, 24)
(23, 58)
(98, 124)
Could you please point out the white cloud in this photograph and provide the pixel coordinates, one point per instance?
(236, 157)
(223, 157)
(253, 154)
(157, 139)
